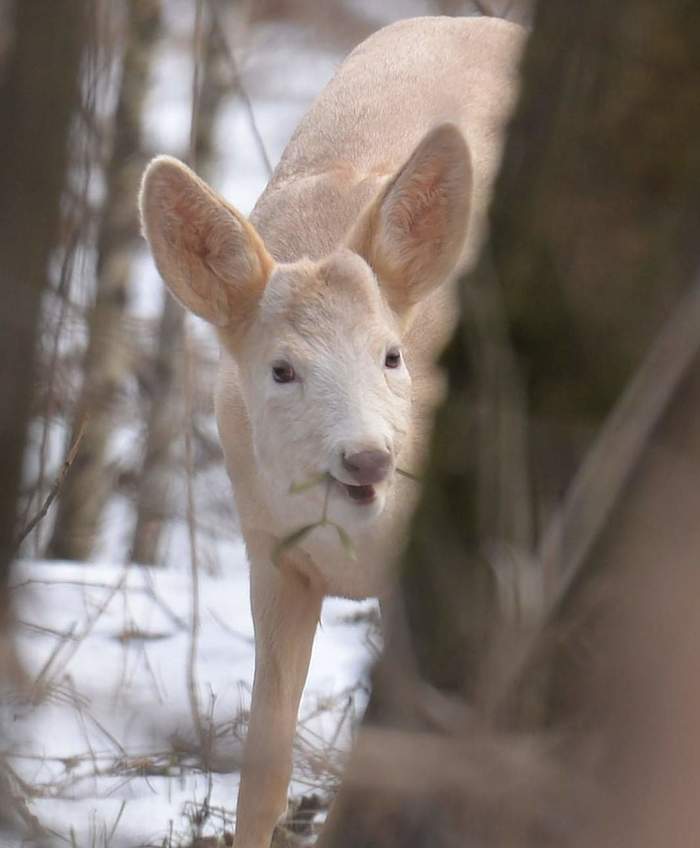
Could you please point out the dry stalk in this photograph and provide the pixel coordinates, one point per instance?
(18, 803)
(192, 683)
(57, 335)
(75, 641)
(147, 589)
(56, 488)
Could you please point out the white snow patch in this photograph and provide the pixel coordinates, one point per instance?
(107, 648)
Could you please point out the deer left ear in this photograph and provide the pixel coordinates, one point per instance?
(413, 234)
(210, 256)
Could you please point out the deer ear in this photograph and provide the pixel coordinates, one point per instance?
(413, 234)
(210, 256)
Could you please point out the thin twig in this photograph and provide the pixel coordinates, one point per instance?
(56, 488)
(18, 804)
(197, 41)
(57, 334)
(116, 824)
(146, 589)
(68, 636)
(77, 641)
(241, 88)
(192, 683)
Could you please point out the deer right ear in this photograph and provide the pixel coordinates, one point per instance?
(211, 257)
(412, 235)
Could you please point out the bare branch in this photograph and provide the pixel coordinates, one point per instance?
(241, 88)
(56, 488)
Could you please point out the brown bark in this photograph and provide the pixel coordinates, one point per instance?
(594, 241)
(40, 57)
(109, 353)
(164, 383)
(38, 96)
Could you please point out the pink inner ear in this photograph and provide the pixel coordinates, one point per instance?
(417, 218)
(423, 218)
(189, 229)
(192, 237)
(419, 210)
(203, 234)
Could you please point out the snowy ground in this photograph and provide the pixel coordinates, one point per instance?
(105, 737)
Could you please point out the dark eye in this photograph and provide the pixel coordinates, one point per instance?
(393, 358)
(282, 372)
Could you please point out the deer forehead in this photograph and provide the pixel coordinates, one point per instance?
(333, 301)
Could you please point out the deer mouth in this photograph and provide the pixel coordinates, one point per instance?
(361, 495)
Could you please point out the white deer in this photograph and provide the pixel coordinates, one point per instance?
(330, 304)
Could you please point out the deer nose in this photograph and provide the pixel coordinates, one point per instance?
(368, 466)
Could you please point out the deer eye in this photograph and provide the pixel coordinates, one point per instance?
(282, 372)
(393, 358)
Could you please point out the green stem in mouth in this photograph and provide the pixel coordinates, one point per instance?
(324, 516)
(290, 541)
(299, 535)
(343, 537)
(309, 483)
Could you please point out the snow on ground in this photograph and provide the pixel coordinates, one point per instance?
(106, 734)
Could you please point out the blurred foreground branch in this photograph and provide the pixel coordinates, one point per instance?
(594, 241)
(39, 96)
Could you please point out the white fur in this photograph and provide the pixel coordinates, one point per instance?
(344, 258)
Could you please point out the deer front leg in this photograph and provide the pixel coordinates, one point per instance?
(285, 614)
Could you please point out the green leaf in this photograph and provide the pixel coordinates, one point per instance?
(296, 488)
(408, 474)
(292, 540)
(345, 540)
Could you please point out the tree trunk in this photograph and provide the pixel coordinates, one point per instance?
(109, 353)
(39, 96)
(164, 387)
(594, 241)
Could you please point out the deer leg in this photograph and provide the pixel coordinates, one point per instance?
(285, 613)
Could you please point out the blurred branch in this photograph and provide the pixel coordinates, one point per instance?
(518, 11)
(590, 510)
(594, 242)
(17, 803)
(197, 59)
(108, 357)
(192, 678)
(337, 24)
(228, 51)
(56, 488)
(608, 467)
(192, 682)
(210, 88)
